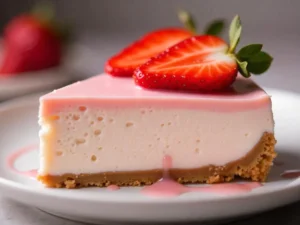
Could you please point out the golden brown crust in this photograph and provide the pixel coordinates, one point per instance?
(255, 166)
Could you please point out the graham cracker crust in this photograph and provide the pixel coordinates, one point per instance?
(254, 166)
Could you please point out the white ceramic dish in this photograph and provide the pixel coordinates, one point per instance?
(18, 119)
(31, 82)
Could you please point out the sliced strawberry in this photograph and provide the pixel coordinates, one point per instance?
(199, 63)
(125, 62)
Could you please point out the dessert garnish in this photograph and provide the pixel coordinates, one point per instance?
(32, 41)
(203, 63)
(125, 62)
(214, 28)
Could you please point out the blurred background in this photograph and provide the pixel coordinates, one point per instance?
(103, 27)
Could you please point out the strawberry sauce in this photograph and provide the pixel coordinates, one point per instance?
(290, 174)
(113, 187)
(166, 187)
(11, 160)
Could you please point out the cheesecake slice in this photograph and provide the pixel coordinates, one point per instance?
(106, 130)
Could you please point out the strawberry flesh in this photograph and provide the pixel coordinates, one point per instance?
(199, 63)
(133, 56)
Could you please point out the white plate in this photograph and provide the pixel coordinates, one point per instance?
(34, 81)
(19, 128)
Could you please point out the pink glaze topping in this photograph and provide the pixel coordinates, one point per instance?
(11, 159)
(104, 90)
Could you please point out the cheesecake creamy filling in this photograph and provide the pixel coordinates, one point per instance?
(255, 165)
(81, 139)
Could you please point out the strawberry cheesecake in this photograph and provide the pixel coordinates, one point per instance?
(105, 130)
(193, 103)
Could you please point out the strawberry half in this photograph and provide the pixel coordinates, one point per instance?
(203, 63)
(198, 63)
(125, 62)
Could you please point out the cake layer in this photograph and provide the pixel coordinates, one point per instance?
(81, 139)
(255, 165)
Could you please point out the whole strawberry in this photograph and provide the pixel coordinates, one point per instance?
(31, 42)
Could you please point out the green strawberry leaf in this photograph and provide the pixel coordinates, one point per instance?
(63, 31)
(250, 59)
(242, 68)
(246, 52)
(188, 20)
(215, 28)
(259, 63)
(44, 11)
(235, 31)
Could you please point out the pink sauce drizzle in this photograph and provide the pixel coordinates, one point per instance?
(167, 164)
(11, 159)
(290, 174)
(166, 187)
(113, 187)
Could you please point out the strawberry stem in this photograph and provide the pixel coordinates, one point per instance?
(187, 19)
(44, 11)
(235, 31)
(250, 59)
(215, 27)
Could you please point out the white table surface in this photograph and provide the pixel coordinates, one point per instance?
(88, 59)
